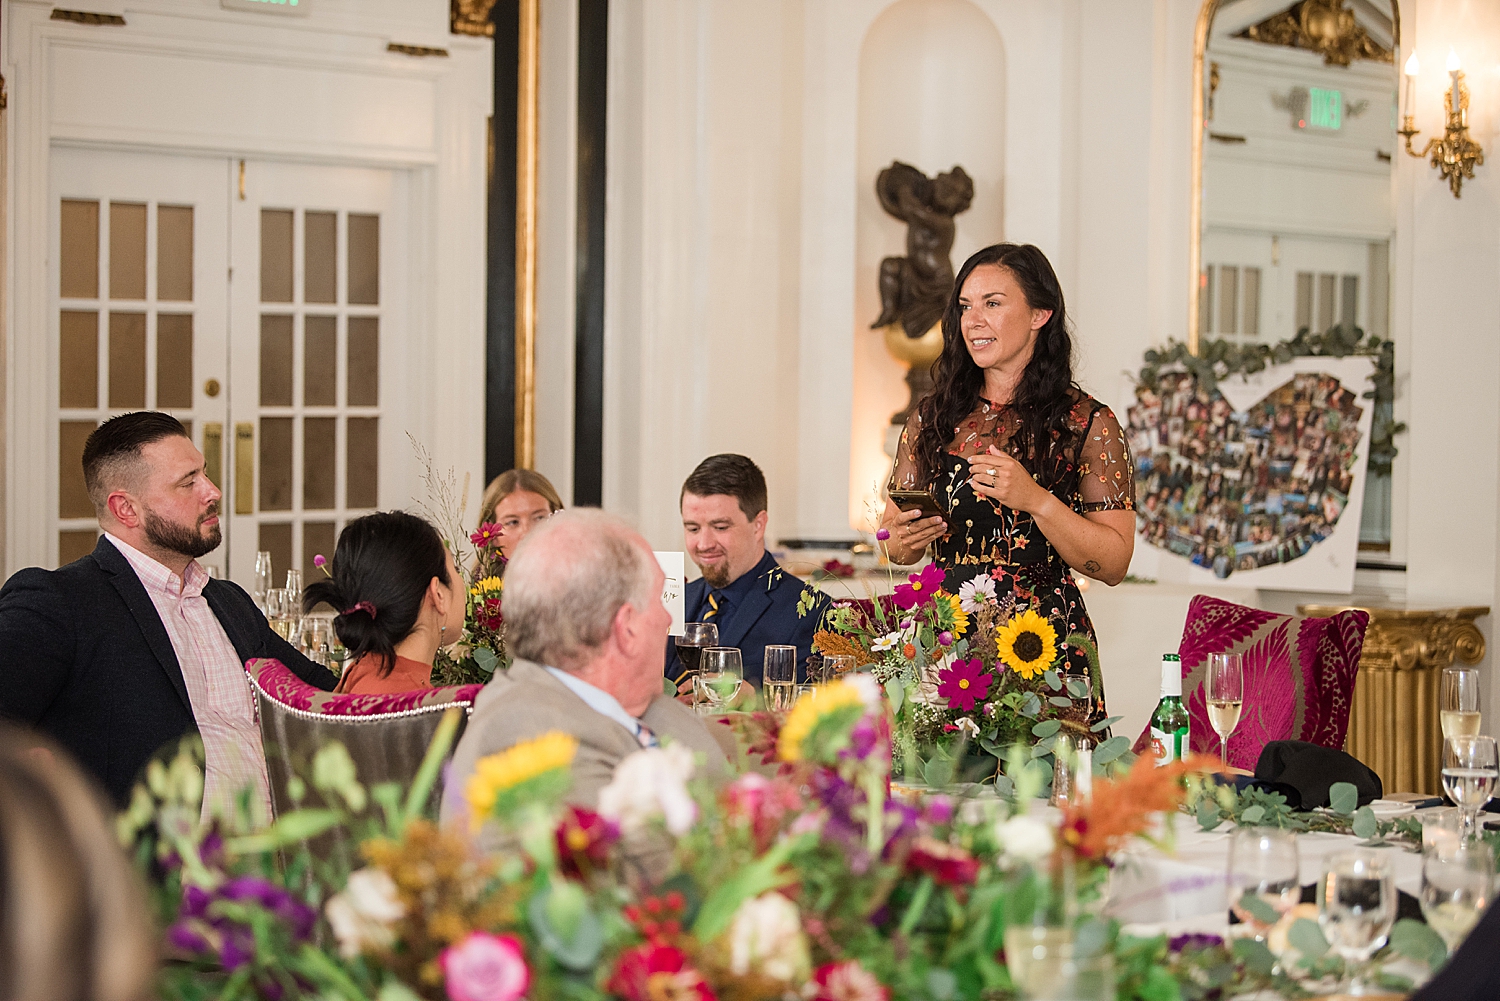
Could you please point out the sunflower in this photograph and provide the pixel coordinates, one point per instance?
(837, 698)
(1027, 644)
(957, 615)
(539, 766)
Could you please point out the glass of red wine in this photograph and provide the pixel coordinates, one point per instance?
(695, 636)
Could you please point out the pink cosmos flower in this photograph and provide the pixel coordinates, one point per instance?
(921, 587)
(963, 683)
(847, 982)
(485, 967)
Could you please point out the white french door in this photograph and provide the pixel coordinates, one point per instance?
(319, 261)
(139, 304)
(263, 305)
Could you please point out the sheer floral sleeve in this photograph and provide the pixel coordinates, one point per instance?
(905, 475)
(1107, 476)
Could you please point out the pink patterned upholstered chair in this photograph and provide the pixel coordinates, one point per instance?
(1299, 675)
(387, 735)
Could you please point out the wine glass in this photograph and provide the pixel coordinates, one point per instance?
(779, 677)
(262, 582)
(1470, 770)
(718, 679)
(294, 584)
(1225, 691)
(1458, 702)
(315, 637)
(281, 611)
(1356, 908)
(836, 665)
(1458, 883)
(695, 636)
(1263, 863)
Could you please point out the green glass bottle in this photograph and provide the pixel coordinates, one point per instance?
(1169, 724)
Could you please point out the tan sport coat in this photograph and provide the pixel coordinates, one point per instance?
(527, 702)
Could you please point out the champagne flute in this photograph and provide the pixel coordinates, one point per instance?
(695, 636)
(1458, 883)
(779, 677)
(1356, 908)
(279, 612)
(1263, 863)
(294, 584)
(262, 582)
(718, 679)
(1458, 702)
(1225, 690)
(1470, 770)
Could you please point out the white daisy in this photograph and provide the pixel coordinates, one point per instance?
(973, 594)
(887, 642)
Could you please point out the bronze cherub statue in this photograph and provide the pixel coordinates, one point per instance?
(914, 289)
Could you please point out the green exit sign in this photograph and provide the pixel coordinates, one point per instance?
(1325, 108)
(293, 7)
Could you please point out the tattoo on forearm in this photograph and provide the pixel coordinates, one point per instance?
(1092, 566)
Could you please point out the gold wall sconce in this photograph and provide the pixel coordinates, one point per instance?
(1455, 155)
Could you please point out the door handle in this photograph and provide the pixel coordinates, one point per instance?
(244, 468)
(213, 453)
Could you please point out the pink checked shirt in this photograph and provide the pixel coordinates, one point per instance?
(216, 685)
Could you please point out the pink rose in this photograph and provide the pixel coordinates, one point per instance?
(485, 967)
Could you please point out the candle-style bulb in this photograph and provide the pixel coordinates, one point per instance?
(1453, 64)
(1413, 67)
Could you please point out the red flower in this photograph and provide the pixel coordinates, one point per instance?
(921, 587)
(947, 864)
(658, 973)
(487, 614)
(847, 982)
(763, 803)
(487, 537)
(963, 684)
(584, 839)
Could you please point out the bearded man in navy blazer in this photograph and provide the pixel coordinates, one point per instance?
(125, 650)
(743, 589)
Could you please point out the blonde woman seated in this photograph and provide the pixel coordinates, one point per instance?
(518, 500)
(399, 598)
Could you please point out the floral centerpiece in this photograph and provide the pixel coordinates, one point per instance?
(968, 669)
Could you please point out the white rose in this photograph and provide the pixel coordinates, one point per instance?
(651, 783)
(1026, 838)
(766, 937)
(363, 913)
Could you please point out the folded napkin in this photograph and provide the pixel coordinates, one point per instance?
(1303, 772)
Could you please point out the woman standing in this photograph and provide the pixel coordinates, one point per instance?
(1034, 473)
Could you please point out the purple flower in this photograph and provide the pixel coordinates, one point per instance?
(184, 938)
(938, 810)
(883, 534)
(945, 638)
(320, 561)
(864, 738)
(1193, 940)
(195, 901)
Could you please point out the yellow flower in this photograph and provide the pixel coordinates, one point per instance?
(960, 617)
(503, 771)
(809, 711)
(1027, 644)
(491, 584)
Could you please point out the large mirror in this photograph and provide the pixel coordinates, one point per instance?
(1293, 220)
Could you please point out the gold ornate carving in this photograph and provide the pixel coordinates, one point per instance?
(1322, 26)
(86, 17)
(1455, 155)
(471, 17)
(415, 50)
(1393, 723)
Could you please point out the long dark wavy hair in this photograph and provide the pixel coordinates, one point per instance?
(1046, 391)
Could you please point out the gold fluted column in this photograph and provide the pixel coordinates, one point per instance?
(1393, 724)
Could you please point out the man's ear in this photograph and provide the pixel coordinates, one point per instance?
(626, 626)
(759, 521)
(124, 509)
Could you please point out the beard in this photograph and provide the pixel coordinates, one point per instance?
(717, 574)
(176, 538)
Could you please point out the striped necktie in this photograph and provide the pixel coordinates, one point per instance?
(715, 605)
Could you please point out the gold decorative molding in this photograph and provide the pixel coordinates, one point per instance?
(1322, 26)
(528, 74)
(86, 17)
(471, 17)
(1393, 722)
(416, 50)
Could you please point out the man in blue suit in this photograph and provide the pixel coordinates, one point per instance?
(743, 589)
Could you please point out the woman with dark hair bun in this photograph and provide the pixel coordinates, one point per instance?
(399, 598)
(1034, 474)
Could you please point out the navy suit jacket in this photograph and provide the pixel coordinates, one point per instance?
(84, 658)
(765, 616)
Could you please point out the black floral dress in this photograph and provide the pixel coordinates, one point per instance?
(1089, 469)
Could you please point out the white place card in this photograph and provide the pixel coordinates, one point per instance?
(674, 567)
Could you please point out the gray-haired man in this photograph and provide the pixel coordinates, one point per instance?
(585, 622)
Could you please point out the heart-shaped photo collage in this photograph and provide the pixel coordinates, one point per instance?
(1237, 490)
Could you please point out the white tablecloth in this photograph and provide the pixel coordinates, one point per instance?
(1184, 890)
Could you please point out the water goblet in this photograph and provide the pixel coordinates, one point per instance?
(1263, 864)
(718, 679)
(1458, 883)
(1470, 770)
(1225, 691)
(1458, 702)
(1356, 908)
